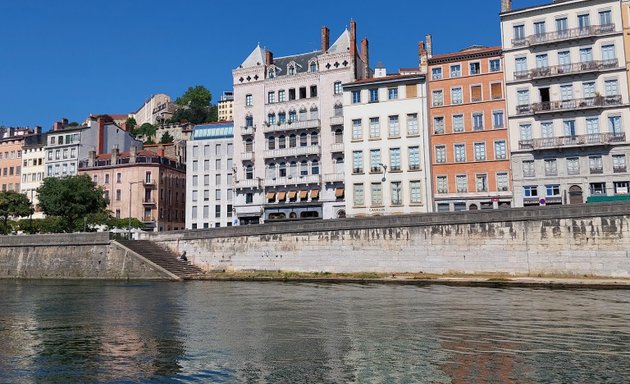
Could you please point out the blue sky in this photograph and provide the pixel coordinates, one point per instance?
(71, 58)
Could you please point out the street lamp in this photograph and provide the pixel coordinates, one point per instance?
(129, 226)
(384, 166)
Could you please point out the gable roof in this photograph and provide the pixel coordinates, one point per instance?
(342, 44)
(256, 58)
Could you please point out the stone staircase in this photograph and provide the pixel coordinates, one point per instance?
(164, 258)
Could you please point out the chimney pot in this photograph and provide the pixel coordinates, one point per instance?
(268, 58)
(506, 5)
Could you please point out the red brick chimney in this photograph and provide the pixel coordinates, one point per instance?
(365, 57)
(325, 39)
(268, 58)
(353, 45)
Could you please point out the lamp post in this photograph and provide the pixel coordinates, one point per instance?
(129, 225)
(384, 166)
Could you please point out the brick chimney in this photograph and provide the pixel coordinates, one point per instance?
(429, 40)
(268, 58)
(114, 155)
(365, 57)
(325, 39)
(506, 5)
(422, 58)
(353, 45)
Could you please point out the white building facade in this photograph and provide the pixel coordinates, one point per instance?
(209, 176)
(567, 101)
(386, 172)
(33, 168)
(289, 165)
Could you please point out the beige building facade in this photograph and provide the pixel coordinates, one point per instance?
(225, 106)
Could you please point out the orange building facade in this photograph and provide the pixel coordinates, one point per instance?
(470, 164)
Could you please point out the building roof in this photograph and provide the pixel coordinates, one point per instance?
(223, 130)
(257, 57)
(465, 54)
(539, 6)
(342, 44)
(301, 60)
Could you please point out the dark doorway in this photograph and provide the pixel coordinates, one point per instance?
(575, 195)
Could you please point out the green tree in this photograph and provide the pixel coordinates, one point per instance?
(194, 106)
(166, 138)
(13, 204)
(131, 124)
(71, 198)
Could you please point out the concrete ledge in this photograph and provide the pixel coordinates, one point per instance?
(69, 239)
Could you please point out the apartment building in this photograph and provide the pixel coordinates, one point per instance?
(209, 177)
(140, 184)
(469, 138)
(225, 106)
(286, 110)
(155, 109)
(567, 100)
(33, 168)
(11, 143)
(386, 172)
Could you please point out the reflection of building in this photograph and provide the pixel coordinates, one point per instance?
(386, 167)
(155, 109)
(33, 168)
(469, 139)
(567, 99)
(225, 106)
(148, 186)
(209, 175)
(284, 114)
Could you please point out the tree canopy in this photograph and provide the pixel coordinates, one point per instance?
(13, 204)
(195, 106)
(71, 198)
(166, 138)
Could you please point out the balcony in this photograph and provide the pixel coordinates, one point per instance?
(248, 210)
(292, 180)
(247, 156)
(597, 170)
(148, 201)
(249, 183)
(619, 169)
(568, 34)
(337, 147)
(249, 130)
(293, 152)
(333, 177)
(569, 105)
(289, 126)
(148, 219)
(567, 69)
(336, 120)
(572, 141)
(148, 183)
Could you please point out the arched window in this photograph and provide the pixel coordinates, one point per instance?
(282, 117)
(313, 67)
(339, 165)
(283, 169)
(291, 70)
(249, 121)
(339, 136)
(303, 140)
(249, 145)
(293, 169)
(304, 168)
(292, 141)
(315, 167)
(271, 142)
(271, 118)
(314, 138)
(249, 172)
(314, 113)
(271, 73)
(303, 114)
(292, 116)
(282, 142)
(338, 110)
(271, 170)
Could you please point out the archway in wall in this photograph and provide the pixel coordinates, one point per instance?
(576, 195)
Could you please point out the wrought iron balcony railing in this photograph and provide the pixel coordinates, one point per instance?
(573, 141)
(566, 69)
(567, 34)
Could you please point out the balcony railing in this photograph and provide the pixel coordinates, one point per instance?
(148, 182)
(248, 210)
(336, 147)
(567, 34)
(249, 130)
(304, 124)
(573, 141)
(249, 183)
(292, 180)
(147, 219)
(619, 169)
(333, 177)
(566, 69)
(148, 201)
(296, 151)
(336, 120)
(597, 170)
(247, 156)
(569, 105)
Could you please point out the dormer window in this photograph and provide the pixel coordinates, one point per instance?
(312, 67)
(271, 73)
(291, 70)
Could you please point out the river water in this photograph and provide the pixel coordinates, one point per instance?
(245, 332)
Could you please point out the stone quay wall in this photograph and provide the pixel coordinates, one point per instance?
(72, 256)
(560, 241)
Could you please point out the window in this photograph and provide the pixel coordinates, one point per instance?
(394, 126)
(477, 121)
(414, 158)
(496, 91)
(573, 166)
(249, 100)
(530, 191)
(249, 198)
(396, 192)
(497, 119)
(442, 184)
(282, 95)
(521, 64)
(562, 25)
(118, 195)
(519, 33)
(522, 96)
(598, 188)
(500, 150)
(608, 53)
(526, 132)
(586, 56)
(438, 98)
(460, 153)
(312, 67)
(480, 151)
(552, 189)
(539, 29)
(217, 194)
(456, 70)
(621, 187)
(605, 18)
(271, 97)
(542, 62)
(337, 88)
(495, 65)
(456, 96)
(566, 92)
(461, 182)
(206, 195)
(107, 178)
(392, 93)
(551, 167)
(481, 182)
(475, 68)
(436, 73)
(415, 193)
(412, 124)
(217, 212)
(356, 97)
(375, 128)
(358, 194)
(502, 181)
(195, 195)
(377, 194)
(614, 125)
(282, 118)
(458, 123)
(596, 165)
(292, 116)
(291, 94)
(374, 95)
(357, 162)
(313, 91)
(611, 88)
(315, 167)
(529, 169)
(438, 125)
(619, 163)
(440, 154)
(375, 160)
(411, 90)
(291, 70)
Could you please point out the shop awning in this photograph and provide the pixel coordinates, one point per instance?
(292, 194)
(281, 196)
(271, 195)
(314, 193)
(339, 192)
(303, 195)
